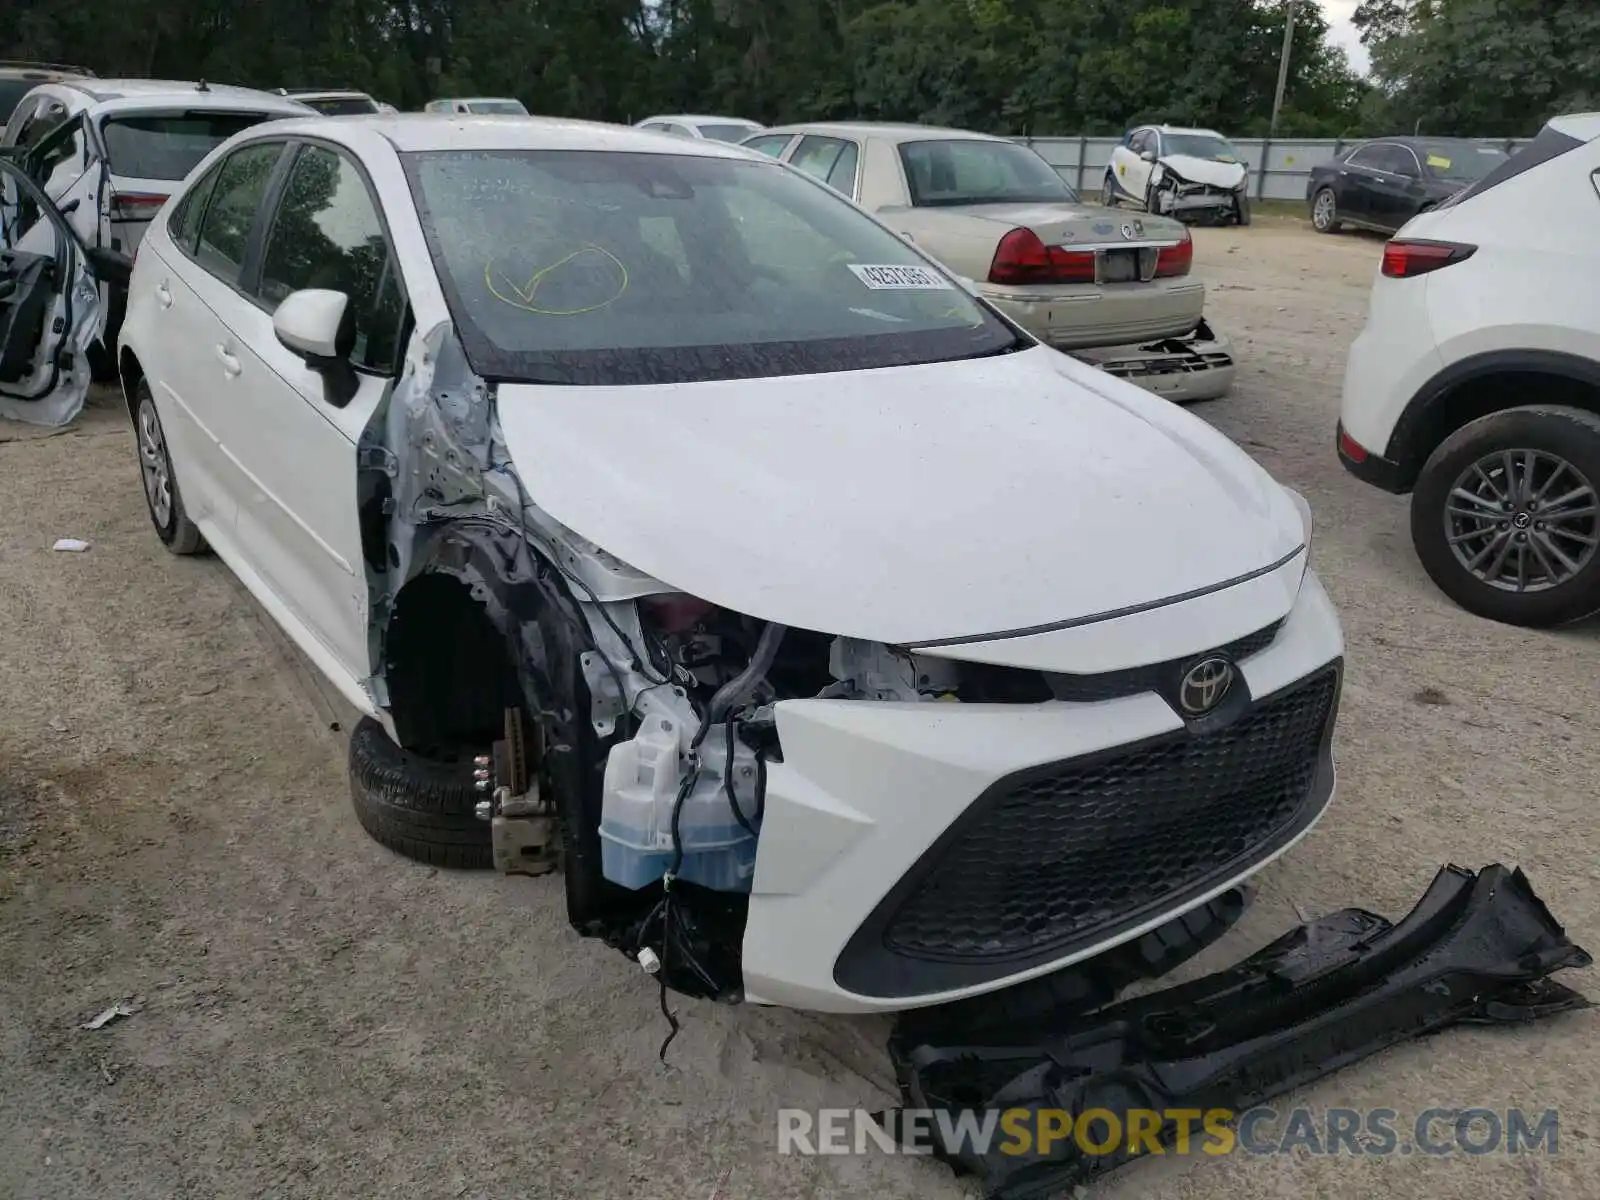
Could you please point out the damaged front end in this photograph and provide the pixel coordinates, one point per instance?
(1197, 366)
(1478, 948)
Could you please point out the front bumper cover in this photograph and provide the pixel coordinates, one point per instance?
(1478, 948)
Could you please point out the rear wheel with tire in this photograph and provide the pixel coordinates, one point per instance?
(1325, 212)
(1108, 191)
(161, 495)
(1505, 516)
(423, 808)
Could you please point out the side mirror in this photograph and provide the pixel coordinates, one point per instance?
(316, 324)
(1147, 156)
(109, 266)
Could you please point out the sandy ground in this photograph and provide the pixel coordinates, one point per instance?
(317, 1017)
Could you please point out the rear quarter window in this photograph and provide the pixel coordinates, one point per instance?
(169, 145)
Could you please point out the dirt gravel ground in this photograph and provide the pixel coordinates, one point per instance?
(316, 1017)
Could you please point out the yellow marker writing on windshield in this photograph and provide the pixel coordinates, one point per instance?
(525, 295)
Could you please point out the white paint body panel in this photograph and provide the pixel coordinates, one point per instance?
(952, 500)
(1529, 286)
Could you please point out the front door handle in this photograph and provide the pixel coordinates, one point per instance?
(163, 296)
(230, 364)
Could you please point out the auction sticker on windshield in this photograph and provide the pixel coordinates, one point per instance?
(899, 279)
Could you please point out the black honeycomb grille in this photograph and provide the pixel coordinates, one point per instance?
(1074, 847)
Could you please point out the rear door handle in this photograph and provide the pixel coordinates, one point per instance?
(163, 296)
(230, 364)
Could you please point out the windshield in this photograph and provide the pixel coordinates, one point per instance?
(594, 267)
(342, 106)
(1199, 145)
(728, 133)
(170, 145)
(1460, 160)
(968, 171)
(506, 107)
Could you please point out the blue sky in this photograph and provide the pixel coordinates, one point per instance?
(1342, 33)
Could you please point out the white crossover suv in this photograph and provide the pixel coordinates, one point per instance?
(845, 647)
(1475, 385)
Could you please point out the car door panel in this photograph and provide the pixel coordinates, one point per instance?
(1356, 181)
(298, 511)
(47, 308)
(197, 283)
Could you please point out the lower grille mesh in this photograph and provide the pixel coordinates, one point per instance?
(1069, 848)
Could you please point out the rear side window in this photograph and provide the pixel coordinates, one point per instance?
(225, 227)
(343, 106)
(169, 146)
(772, 143)
(1551, 143)
(183, 226)
(831, 160)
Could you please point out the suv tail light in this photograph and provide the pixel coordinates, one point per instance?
(1176, 260)
(1021, 258)
(135, 206)
(1403, 259)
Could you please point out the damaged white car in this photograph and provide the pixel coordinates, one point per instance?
(678, 525)
(50, 308)
(1180, 173)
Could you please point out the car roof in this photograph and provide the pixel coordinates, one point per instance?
(129, 93)
(414, 132)
(319, 93)
(474, 99)
(43, 72)
(888, 130)
(1183, 129)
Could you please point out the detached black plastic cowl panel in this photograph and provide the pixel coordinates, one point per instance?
(1478, 948)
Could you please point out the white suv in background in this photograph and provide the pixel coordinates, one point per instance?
(109, 152)
(1475, 385)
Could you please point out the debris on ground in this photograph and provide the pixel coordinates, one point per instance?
(70, 545)
(1478, 948)
(122, 1008)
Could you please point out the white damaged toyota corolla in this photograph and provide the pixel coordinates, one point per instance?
(678, 526)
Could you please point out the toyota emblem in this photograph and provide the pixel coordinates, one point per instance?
(1205, 685)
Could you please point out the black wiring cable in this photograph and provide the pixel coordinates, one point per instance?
(727, 782)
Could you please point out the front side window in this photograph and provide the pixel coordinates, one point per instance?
(169, 145)
(595, 268)
(968, 171)
(726, 133)
(225, 227)
(771, 143)
(509, 108)
(326, 234)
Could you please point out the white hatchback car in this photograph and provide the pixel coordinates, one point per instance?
(110, 151)
(1475, 385)
(690, 491)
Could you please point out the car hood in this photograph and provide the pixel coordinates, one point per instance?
(1065, 224)
(904, 505)
(1206, 170)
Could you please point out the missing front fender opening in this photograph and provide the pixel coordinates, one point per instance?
(1478, 948)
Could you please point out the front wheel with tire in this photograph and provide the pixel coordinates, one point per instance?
(423, 808)
(1241, 209)
(1325, 212)
(1505, 516)
(161, 495)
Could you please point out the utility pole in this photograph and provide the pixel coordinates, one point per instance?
(1283, 66)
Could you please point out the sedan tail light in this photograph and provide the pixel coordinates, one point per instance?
(1021, 259)
(135, 206)
(1406, 259)
(1176, 260)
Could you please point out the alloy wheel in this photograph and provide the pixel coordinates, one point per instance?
(1322, 211)
(154, 465)
(1522, 520)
